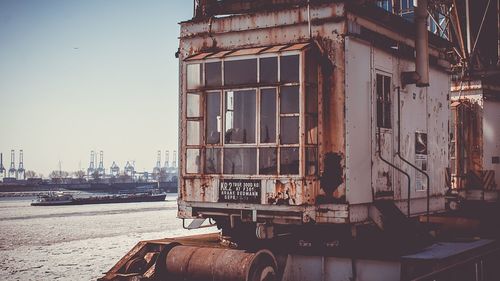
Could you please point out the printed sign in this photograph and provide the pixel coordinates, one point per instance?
(240, 191)
(420, 160)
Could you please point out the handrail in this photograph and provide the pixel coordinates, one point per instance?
(398, 169)
(398, 153)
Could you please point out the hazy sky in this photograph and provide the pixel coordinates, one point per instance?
(89, 75)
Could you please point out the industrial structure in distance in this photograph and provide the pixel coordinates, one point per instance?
(95, 178)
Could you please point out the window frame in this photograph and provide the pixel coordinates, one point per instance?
(385, 104)
(302, 85)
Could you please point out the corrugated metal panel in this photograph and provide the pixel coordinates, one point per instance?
(274, 49)
(249, 51)
(296, 47)
(219, 54)
(244, 52)
(198, 56)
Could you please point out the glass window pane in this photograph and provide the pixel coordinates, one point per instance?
(193, 132)
(269, 70)
(312, 115)
(240, 117)
(212, 161)
(241, 161)
(213, 74)
(268, 116)
(213, 118)
(268, 158)
(311, 161)
(289, 161)
(193, 105)
(289, 102)
(387, 102)
(289, 69)
(380, 101)
(194, 76)
(192, 161)
(240, 72)
(311, 72)
(312, 99)
(311, 129)
(289, 130)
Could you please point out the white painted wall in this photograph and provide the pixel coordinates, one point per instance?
(491, 137)
(422, 110)
(358, 121)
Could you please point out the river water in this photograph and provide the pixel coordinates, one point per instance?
(78, 242)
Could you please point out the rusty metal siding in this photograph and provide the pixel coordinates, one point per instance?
(346, 128)
(267, 29)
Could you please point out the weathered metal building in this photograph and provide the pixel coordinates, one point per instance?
(290, 115)
(475, 147)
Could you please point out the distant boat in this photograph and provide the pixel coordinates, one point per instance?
(51, 199)
(59, 198)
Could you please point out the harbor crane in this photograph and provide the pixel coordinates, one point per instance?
(12, 169)
(21, 171)
(91, 168)
(115, 170)
(2, 168)
(101, 170)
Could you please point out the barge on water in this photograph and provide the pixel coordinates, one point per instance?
(57, 199)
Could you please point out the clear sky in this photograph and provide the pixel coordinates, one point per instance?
(89, 75)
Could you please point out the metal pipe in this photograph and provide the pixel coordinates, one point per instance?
(309, 19)
(398, 169)
(422, 44)
(467, 25)
(398, 153)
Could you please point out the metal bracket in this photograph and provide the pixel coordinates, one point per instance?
(197, 223)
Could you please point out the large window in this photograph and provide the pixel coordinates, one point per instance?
(251, 115)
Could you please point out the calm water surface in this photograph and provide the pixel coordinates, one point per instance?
(78, 242)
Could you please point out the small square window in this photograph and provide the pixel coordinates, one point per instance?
(213, 74)
(240, 72)
(192, 161)
(212, 161)
(193, 105)
(289, 69)
(194, 76)
(289, 161)
(289, 130)
(193, 132)
(268, 161)
(495, 160)
(240, 161)
(289, 99)
(269, 70)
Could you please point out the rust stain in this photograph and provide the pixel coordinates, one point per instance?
(332, 176)
(285, 194)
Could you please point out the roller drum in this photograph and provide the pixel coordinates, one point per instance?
(192, 263)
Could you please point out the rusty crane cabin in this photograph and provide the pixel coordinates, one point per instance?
(283, 114)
